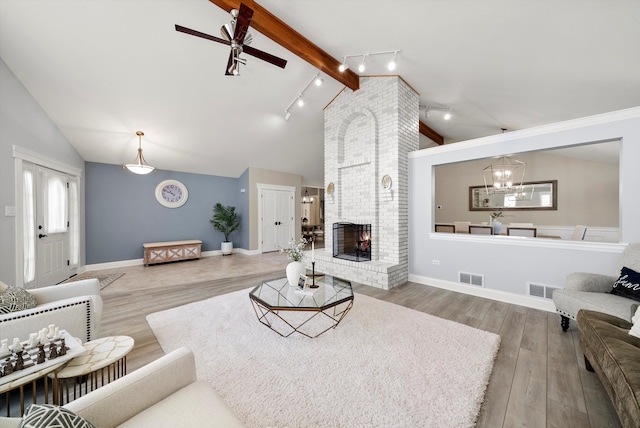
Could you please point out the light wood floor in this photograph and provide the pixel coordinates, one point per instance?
(539, 378)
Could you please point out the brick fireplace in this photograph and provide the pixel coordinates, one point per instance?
(368, 135)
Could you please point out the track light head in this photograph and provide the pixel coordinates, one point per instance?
(362, 67)
(447, 115)
(287, 115)
(300, 102)
(392, 64)
(318, 81)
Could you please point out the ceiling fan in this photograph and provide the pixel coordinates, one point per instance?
(236, 35)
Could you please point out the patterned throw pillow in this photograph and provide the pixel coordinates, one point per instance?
(46, 415)
(627, 284)
(16, 299)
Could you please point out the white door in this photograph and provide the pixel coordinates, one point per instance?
(277, 208)
(52, 227)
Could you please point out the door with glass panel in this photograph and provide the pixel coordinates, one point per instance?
(52, 226)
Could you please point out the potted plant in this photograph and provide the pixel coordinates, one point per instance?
(295, 254)
(226, 220)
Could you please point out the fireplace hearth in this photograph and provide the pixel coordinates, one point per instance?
(352, 241)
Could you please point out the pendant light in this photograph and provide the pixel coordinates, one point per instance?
(140, 166)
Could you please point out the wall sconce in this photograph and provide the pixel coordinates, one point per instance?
(391, 65)
(300, 98)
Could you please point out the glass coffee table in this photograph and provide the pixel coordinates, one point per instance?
(310, 312)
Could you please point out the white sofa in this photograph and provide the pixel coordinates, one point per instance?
(164, 393)
(74, 306)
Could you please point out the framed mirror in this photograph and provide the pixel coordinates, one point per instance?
(533, 195)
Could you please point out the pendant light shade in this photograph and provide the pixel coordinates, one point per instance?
(139, 166)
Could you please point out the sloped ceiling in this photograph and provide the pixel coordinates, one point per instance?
(104, 69)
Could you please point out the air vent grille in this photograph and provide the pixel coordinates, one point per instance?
(471, 278)
(541, 290)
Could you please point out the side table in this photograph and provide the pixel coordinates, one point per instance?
(105, 360)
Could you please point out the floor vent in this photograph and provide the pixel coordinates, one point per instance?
(541, 290)
(471, 279)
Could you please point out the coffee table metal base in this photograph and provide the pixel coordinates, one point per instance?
(309, 322)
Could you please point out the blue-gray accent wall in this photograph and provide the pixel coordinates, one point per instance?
(122, 212)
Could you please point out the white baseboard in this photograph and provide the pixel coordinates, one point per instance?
(140, 262)
(501, 296)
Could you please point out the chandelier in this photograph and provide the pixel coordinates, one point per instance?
(505, 175)
(306, 199)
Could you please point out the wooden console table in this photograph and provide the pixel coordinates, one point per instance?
(162, 252)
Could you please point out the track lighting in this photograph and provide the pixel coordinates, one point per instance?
(299, 100)
(344, 65)
(361, 68)
(392, 64)
(428, 109)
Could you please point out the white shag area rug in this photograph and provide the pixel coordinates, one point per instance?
(384, 366)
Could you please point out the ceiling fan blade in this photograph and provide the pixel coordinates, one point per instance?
(186, 30)
(265, 56)
(242, 23)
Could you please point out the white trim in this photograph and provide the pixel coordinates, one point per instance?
(38, 159)
(630, 113)
(523, 241)
(489, 293)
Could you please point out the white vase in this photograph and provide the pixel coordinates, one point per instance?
(294, 270)
(497, 227)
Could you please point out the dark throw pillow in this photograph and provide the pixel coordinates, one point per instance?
(16, 299)
(627, 284)
(46, 415)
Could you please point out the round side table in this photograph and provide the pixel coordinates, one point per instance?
(104, 360)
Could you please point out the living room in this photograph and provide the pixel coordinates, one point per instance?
(120, 213)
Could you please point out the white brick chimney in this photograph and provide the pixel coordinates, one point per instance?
(368, 134)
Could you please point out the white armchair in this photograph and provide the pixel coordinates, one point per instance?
(75, 307)
(592, 291)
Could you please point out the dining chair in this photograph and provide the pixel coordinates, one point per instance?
(448, 228)
(462, 226)
(579, 233)
(530, 232)
(480, 230)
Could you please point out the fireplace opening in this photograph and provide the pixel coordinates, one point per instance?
(352, 241)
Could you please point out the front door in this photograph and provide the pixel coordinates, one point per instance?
(52, 226)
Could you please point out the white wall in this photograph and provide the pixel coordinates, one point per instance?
(23, 123)
(508, 266)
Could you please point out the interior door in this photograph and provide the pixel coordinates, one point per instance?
(52, 223)
(277, 219)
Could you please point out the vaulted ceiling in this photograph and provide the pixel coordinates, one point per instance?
(104, 69)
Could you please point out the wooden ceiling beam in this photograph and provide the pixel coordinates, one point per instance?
(278, 31)
(430, 133)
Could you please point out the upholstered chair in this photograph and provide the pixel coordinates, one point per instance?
(593, 291)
